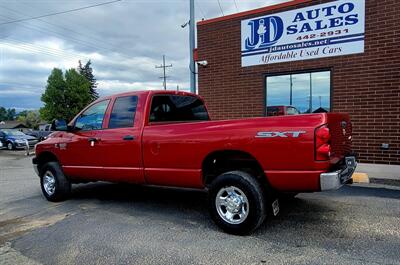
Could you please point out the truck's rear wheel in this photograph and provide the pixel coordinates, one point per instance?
(55, 186)
(237, 203)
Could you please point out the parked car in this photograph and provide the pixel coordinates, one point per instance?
(281, 111)
(42, 133)
(14, 139)
(167, 138)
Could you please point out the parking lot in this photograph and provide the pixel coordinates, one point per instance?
(123, 224)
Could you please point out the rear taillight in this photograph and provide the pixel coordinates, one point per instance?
(322, 143)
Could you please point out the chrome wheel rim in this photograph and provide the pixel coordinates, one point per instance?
(232, 205)
(49, 183)
(9, 146)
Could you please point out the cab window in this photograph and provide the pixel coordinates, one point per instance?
(176, 108)
(123, 112)
(92, 118)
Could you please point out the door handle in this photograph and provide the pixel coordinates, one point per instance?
(93, 139)
(128, 138)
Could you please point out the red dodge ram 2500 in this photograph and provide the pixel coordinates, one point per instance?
(166, 138)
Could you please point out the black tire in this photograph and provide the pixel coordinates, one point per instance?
(255, 196)
(62, 186)
(10, 146)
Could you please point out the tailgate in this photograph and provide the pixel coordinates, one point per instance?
(341, 135)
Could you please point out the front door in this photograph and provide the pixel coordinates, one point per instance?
(79, 152)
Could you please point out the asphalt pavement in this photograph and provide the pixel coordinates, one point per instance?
(124, 224)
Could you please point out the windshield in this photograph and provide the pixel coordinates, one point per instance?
(13, 132)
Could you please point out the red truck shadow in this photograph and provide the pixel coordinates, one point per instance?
(188, 205)
(318, 215)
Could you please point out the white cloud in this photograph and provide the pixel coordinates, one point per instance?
(18, 92)
(124, 41)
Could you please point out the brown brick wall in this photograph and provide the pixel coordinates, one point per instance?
(365, 85)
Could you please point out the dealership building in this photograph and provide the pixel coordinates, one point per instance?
(334, 56)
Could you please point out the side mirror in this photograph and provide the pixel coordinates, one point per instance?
(59, 125)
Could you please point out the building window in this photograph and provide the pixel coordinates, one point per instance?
(307, 92)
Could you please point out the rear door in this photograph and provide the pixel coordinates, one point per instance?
(120, 143)
(79, 152)
(170, 140)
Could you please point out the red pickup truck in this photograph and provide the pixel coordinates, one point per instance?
(166, 138)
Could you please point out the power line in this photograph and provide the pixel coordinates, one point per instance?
(29, 49)
(92, 45)
(201, 9)
(81, 42)
(62, 27)
(38, 48)
(41, 49)
(86, 43)
(164, 77)
(37, 51)
(220, 8)
(192, 46)
(237, 9)
(59, 13)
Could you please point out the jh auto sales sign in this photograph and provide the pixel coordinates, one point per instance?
(333, 29)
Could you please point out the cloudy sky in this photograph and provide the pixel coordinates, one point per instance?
(124, 40)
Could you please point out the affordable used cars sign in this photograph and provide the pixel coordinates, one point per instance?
(333, 29)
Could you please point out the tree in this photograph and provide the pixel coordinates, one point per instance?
(65, 95)
(7, 114)
(11, 113)
(3, 114)
(87, 72)
(30, 119)
(53, 97)
(77, 94)
(22, 113)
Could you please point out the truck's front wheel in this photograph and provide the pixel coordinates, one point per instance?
(237, 203)
(55, 186)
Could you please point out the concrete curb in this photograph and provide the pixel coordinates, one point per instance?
(378, 174)
(390, 182)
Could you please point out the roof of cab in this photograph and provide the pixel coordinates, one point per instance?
(148, 92)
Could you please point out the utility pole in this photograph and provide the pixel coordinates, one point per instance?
(163, 66)
(192, 24)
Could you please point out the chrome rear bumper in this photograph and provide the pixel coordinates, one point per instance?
(334, 180)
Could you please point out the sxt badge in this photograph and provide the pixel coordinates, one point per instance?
(294, 134)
